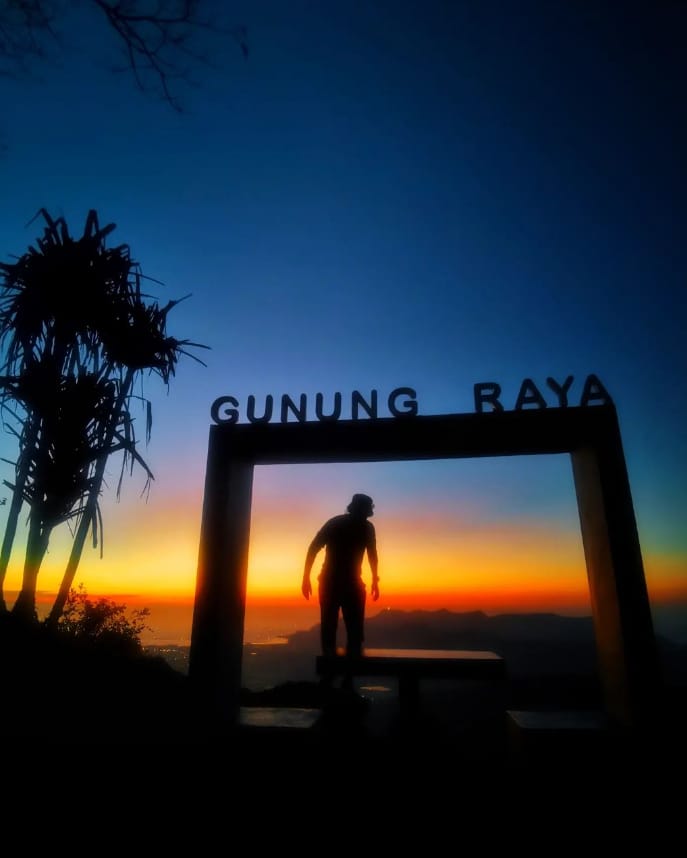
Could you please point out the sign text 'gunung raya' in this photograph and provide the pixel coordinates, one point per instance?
(402, 402)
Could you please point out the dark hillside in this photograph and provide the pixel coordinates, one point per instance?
(54, 687)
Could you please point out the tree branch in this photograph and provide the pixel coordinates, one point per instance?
(24, 26)
(158, 37)
(161, 40)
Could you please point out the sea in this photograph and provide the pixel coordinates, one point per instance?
(169, 623)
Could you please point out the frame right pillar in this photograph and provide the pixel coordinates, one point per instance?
(623, 626)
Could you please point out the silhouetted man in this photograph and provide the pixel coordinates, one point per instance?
(346, 538)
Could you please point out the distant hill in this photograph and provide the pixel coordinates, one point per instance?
(540, 643)
(531, 644)
(551, 660)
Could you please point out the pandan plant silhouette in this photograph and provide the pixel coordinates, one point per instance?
(77, 334)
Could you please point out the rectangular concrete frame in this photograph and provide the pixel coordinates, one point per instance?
(628, 661)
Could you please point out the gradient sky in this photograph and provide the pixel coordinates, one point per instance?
(389, 194)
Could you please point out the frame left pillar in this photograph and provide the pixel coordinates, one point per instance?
(216, 653)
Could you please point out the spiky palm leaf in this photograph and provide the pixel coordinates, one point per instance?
(76, 329)
(56, 296)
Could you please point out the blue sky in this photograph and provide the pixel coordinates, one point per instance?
(392, 194)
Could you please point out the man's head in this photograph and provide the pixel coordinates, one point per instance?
(361, 505)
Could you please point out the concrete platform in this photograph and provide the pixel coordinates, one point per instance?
(554, 736)
(278, 717)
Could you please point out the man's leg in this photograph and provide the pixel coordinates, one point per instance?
(329, 620)
(353, 609)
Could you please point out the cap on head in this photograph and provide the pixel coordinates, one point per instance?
(361, 505)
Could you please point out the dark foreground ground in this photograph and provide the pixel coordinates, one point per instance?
(65, 703)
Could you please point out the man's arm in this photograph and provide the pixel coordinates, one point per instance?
(374, 564)
(313, 549)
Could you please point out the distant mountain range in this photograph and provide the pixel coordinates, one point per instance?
(539, 643)
(534, 644)
(529, 643)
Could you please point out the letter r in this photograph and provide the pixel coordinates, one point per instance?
(487, 392)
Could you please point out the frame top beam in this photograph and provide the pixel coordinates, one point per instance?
(440, 436)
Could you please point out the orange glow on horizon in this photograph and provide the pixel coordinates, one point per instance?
(503, 574)
(431, 559)
(552, 595)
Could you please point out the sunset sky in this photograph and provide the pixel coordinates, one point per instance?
(387, 194)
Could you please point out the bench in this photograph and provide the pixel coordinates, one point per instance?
(410, 666)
